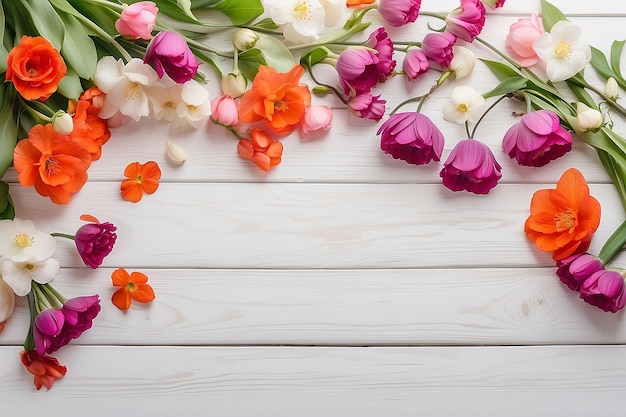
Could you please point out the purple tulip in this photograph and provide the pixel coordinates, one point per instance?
(399, 12)
(537, 139)
(48, 325)
(94, 241)
(412, 137)
(367, 106)
(357, 70)
(438, 48)
(604, 289)
(169, 53)
(415, 63)
(79, 313)
(467, 21)
(471, 166)
(381, 42)
(575, 269)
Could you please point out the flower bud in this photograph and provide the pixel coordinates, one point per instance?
(176, 154)
(245, 39)
(588, 119)
(463, 62)
(234, 84)
(224, 111)
(317, 118)
(7, 302)
(62, 123)
(611, 89)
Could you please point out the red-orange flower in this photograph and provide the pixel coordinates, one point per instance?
(46, 369)
(54, 164)
(35, 68)
(276, 97)
(563, 220)
(264, 151)
(90, 131)
(143, 178)
(356, 3)
(133, 287)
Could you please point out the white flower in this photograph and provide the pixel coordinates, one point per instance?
(302, 20)
(611, 89)
(18, 275)
(63, 123)
(165, 98)
(588, 119)
(465, 104)
(234, 84)
(335, 12)
(463, 61)
(7, 302)
(245, 39)
(125, 86)
(564, 54)
(21, 242)
(194, 106)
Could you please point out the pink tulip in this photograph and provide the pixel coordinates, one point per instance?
(415, 63)
(317, 118)
(94, 241)
(438, 48)
(604, 289)
(79, 313)
(522, 35)
(575, 269)
(367, 106)
(224, 111)
(537, 139)
(467, 21)
(494, 4)
(399, 12)
(412, 137)
(357, 70)
(381, 42)
(169, 53)
(48, 325)
(137, 20)
(471, 166)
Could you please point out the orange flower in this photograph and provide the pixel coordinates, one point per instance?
(46, 369)
(142, 178)
(90, 131)
(261, 149)
(356, 3)
(563, 220)
(35, 68)
(277, 98)
(50, 161)
(133, 286)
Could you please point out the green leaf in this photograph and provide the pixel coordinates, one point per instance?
(616, 57)
(276, 53)
(179, 10)
(240, 12)
(550, 14)
(70, 85)
(198, 4)
(266, 23)
(3, 50)
(582, 94)
(8, 127)
(506, 86)
(46, 20)
(600, 64)
(313, 57)
(617, 174)
(7, 211)
(500, 70)
(614, 244)
(249, 61)
(78, 49)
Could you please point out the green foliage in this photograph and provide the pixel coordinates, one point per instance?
(179, 10)
(78, 49)
(44, 20)
(314, 56)
(8, 126)
(500, 70)
(550, 14)
(507, 86)
(240, 12)
(7, 211)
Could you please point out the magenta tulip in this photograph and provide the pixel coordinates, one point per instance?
(438, 48)
(415, 63)
(574, 270)
(471, 166)
(412, 137)
(94, 241)
(137, 20)
(357, 70)
(367, 106)
(381, 42)
(48, 325)
(168, 53)
(467, 21)
(399, 12)
(604, 289)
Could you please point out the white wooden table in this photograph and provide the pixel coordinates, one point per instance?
(342, 283)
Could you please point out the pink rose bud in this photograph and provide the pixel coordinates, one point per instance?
(224, 111)
(521, 37)
(137, 20)
(415, 63)
(399, 12)
(317, 118)
(367, 106)
(168, 53)
(467, 21)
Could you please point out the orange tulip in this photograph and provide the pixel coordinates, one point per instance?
(35, 68)
(54, 164)
(90, 131)
(563, 220)
(264, 151)
(143, 178)
(277, 98)
(133, 287)
(46, 369)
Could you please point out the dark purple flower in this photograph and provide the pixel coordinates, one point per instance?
(381, 42)
(48, 325)
(94, 241)
(168, 53)
(467, 21)
(367, 106)
(415, 63)
(79, 313)
(399, 12)
(412, 137)
(537, 139)
(471, 166)
(575, 269)
(604, 289)
(357, 70)
(438, 48)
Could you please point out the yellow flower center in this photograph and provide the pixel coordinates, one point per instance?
(132, 91)
(462, 108)
(139, 179)
(280, 105)
(29, 266)
(51, 166)
(24, 240)
(563, 50)
(565, 220)
(131, 286)
(302, 10)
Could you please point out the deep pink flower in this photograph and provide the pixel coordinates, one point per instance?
(168, 53)
(437, 46)
(415, 63)
(94, 241)
(367, 106)
(522, 35)
(317, 118)
(357, 70)
(471, 166)
(494, 4)
(381, 42)
(467, 21)
(137, 20)
(412, 137)
(224, 111)
(604, 289)
(537, 139)
(575, 269)
(48, 325)
(79, 313)
(399, 12)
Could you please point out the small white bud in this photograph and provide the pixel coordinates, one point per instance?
(245, 39)
(463, 62)
(612, 89)
(234, 84)
(176, 154)
(588, 119)
(62, 123)
(7, 302)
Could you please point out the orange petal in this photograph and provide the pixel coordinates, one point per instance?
(144, 293)
(149, 185)
(121, 299)
(89, 218)
(151, 170)
(132, 170)
(245, 149)
(131, 191)
(138, 278)
(120, 277)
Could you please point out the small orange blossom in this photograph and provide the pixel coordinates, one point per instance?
(141, 178)
(264, 151)
(133, 286)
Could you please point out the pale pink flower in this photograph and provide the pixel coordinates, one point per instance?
(415, 63)
(224, 111)
(137, 20)
(367, 106)
(466, 21)
(399, 12)
(317, 118)
(522, 35)
(438, 48)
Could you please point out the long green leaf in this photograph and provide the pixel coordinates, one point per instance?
(70, 85)
(276, 53)
(506, 86)
(240, 12)
(8, 127)
(7, 211)
(550, 14)
(179, 10)
(3, 50)
(78, 49)
(46, 20)
(616, 58)
(500, 70)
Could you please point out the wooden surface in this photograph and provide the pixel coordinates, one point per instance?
(342, 283)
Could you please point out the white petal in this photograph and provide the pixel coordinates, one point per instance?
(108, 73)
(16, 277)
(566, 31)
(194, 94)
(139, 72)
(45, 271)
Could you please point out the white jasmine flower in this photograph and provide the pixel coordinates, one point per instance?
(463, 61)
(302, 20)
(611, 89)
(194, 106)
(465, 104)
(562, 51)
(21, 242)
(7, 302)
(165, 98)
(18, 275)
(63, 123)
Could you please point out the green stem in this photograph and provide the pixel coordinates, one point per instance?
(29, 342)
(41, 301)
(487, 111)
(51, 291)
(407, 101)
(613, 244)
(65, 235)
(330, 87)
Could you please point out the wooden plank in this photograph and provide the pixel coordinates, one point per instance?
(340, 307)
(314, 381)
